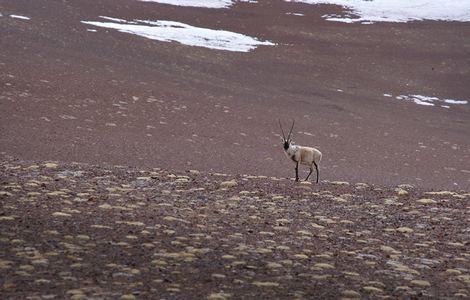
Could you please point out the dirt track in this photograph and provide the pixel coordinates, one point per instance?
(81, 231)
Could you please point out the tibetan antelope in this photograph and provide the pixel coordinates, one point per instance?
(300, 155)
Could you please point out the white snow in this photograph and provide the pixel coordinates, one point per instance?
(195, 3)
(169, 31)
(450, 101)
(296, 14)
(429, 101)
(201, 3)
(367, 11)
(20, 17)
(117, 20)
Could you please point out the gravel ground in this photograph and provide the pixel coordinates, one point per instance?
(99, 130)
(72, 95)
(81, 231)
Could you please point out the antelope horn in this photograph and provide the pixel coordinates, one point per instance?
(283, 135)
(288, 137)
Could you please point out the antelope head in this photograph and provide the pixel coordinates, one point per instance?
(287, 141)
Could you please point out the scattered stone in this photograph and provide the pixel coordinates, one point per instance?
(324, 266)
(229, 184)
(265, 284)
(339, 183)
(441, 193)
(420, 283)
(404, 230)
(244, 242)
(317, 226)
(301, 256)
(61, 214)
(426, 201)
(453, 271)
(351, 294)
(372, 289)
(389, 249)
(219, 296)
(5, 264)
(274, 265)
(401, 192)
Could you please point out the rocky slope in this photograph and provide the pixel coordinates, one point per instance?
(80, 231)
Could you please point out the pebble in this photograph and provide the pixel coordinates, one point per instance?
(351, 294)
(219, 296)
(228, 184)
(265, 284)
(372, 289)
(426, 201)
(420, 283)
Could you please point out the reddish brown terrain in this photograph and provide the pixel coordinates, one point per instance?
(79, 231)
(109, 97)
(84, 115)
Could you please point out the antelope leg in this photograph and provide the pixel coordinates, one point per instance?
(316, 167)
(311, 170)
(297, 171)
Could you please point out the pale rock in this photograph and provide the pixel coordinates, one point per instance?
(61, 214)
(389, 249)
(372, 289)
(401, 192)
(420, 283)
(404, 230)
(453, 271)
(426, 201)
(351, 294)
(274, 265)
(324, 266)
(229, 184)
(218, 296)
(265, 284)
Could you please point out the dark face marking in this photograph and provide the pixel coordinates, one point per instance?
(286, 145)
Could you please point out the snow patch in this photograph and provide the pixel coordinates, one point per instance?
(295, 14)
(170, 31)
(201, 3)
(429, 101)
(450, 101)
(367, 12)
(20, 17)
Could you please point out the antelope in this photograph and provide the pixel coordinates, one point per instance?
(299, 154)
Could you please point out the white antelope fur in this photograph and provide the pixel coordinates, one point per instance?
(308, 156)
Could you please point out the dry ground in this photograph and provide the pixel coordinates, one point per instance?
(68, 94)
(74, 104)
(80, 231)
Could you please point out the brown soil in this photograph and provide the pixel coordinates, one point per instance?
(86, 232)
(98, 132)
(109, 97)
